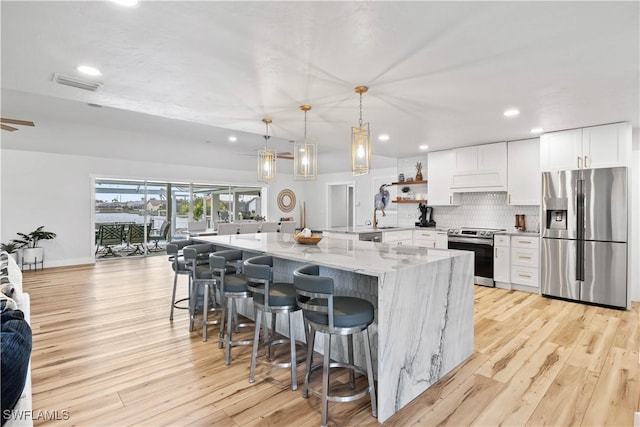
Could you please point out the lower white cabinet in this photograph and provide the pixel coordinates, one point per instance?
(430, 239)
(501, 258)
(515, 262)
(398, 237)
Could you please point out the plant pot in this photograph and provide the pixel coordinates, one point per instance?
(32, 255)
(14, 255)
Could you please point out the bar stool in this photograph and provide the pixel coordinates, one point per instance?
(274, 298)
(180, 268)
(333, 315)
(233, 286)
(201, 276)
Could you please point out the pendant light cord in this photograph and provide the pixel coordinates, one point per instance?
(360, 123)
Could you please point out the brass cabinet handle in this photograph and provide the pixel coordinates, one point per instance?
(585, 161)
(579, 162)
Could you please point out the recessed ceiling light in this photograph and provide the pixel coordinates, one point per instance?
(511, 112)
(233, 138)
(424, 147)
(383, 137)
(126, 3)
(537, 130)
(89, 71)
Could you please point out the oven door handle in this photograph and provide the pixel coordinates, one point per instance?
(472, 240)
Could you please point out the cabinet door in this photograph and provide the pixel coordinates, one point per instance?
(492, 156)
(442, 240)
(501, 264)
(606, 146)
(561, 150)
(465, 159)
(524, 181)
(439, 165)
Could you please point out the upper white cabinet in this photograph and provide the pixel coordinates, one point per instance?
(480, 168)
(524, 182)
(439, 166)
(591, 147)
(606, 146)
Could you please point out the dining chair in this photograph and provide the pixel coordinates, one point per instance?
(288, 227)
(249, 227)
(227, 228)
(269, 227)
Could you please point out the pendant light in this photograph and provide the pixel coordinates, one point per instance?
(305, 155)
(267, 158)
(360, 142)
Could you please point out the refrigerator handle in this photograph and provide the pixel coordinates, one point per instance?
(580, 207)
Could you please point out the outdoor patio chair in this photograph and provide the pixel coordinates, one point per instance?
(135, 239)
(109, 236)
(161, 234)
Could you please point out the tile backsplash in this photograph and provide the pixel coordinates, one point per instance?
(487, 210)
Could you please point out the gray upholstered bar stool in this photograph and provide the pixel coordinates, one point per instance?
(203, 285)
(275, 298)
(333, 315)
(180, 268)
(232, 287)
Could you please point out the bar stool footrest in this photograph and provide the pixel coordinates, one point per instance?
(337, 398)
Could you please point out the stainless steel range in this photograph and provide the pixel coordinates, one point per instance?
(480, 242)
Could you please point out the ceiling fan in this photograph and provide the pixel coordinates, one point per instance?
(13, 122)
(281, 155)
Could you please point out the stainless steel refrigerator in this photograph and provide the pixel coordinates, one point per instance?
(584, 235)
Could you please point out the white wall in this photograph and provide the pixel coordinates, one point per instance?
(635, 218)
(55, 190)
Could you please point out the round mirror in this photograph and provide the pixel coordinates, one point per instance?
(286, 200)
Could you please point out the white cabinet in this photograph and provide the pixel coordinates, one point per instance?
(400, 237)
(591, 147)
(501, 259)
(524, 263)
(480, 168)
(439, 166)
(606, 146)
(430, 238)
(524, 178)
(341, 236)
(515, 262)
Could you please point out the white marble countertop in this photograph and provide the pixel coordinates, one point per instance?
(531, 233)
(364, 229)
(368, 258)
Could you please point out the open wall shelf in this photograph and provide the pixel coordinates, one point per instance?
(409, 182)
(409, 201)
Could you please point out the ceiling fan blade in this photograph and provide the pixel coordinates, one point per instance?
(287, 156)
(17, 122)
(9, 128)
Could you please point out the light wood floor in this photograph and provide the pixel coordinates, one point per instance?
(105, 350)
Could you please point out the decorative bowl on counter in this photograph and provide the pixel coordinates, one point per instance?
(312, 240)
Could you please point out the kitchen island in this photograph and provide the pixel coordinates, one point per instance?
(423, 301)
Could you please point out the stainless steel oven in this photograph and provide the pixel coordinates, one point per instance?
(480, 242)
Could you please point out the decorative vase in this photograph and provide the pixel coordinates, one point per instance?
(419, 171)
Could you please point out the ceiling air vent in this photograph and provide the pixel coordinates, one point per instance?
(76, 82)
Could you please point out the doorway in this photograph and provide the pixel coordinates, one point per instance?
(340, 205)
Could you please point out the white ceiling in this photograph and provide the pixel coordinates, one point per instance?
(439, 73)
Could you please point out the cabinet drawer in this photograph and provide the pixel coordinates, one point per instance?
(395, 236)
(502, 241)
(524, 257)
(524, 275)
(524, 242)
(424, 234)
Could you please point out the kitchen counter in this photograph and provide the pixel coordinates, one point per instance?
(423, 301)
(364, 229)
(520, 233)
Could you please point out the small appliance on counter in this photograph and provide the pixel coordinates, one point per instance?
(426, 216)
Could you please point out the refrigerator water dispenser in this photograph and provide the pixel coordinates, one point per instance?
(557, 219)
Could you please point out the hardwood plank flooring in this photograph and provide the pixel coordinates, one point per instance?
(105, 350)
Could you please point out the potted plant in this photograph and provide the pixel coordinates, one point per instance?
(31, 253)
(11, 248)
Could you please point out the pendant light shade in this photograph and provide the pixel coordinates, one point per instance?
(360, 142)
(305, 155)
(267, 158)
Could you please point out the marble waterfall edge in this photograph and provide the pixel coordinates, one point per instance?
(418, 349)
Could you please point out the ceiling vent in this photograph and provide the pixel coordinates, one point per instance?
(76, 82)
